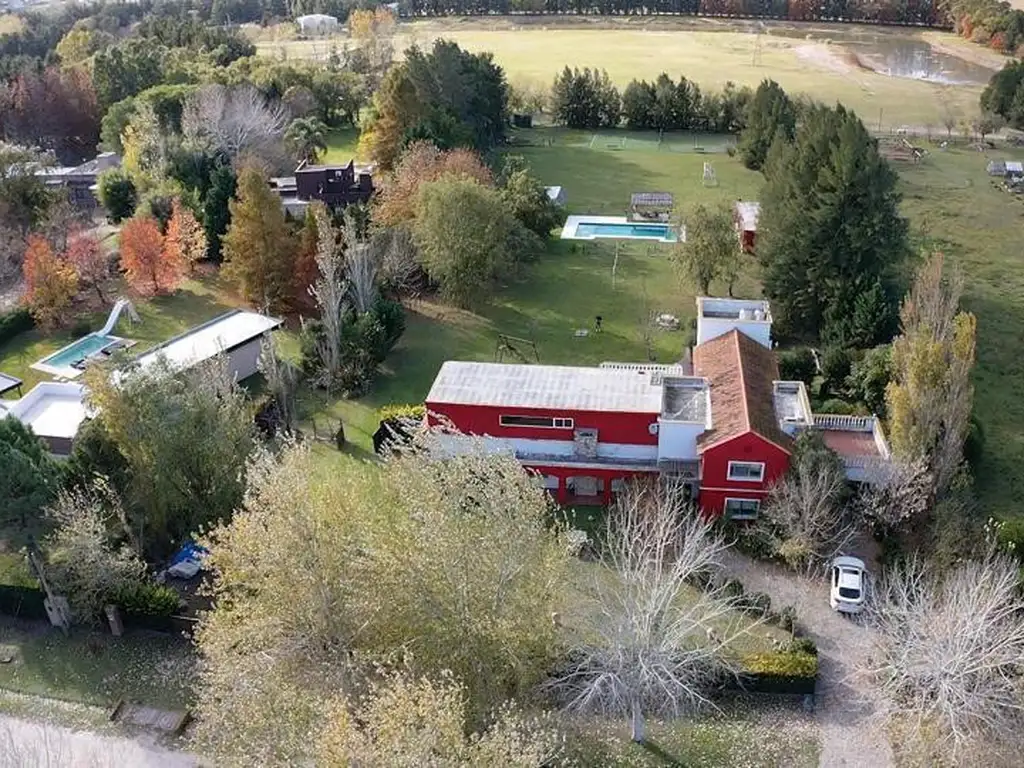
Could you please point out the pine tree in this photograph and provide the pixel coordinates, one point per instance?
(770, 113)
(258, 252)
(50, 282)
(185, 241)
(216, 213)
(305, 261)
(830, 229)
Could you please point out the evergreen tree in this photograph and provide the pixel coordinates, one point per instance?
(830, 230)
(258, 250)
(216, 211)
(585, 99)
(770, 113)
(638, 105)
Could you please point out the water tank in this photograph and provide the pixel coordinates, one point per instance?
(759, 314)
(746, 314)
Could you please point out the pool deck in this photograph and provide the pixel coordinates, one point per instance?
(67, 371)
(572, 223)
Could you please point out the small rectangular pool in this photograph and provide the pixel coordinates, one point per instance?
(66, 362)
(617, 228)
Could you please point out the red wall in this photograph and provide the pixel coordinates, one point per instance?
(564, 473)
(612, 427)
(714, 483)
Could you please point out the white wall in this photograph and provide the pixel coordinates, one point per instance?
(557, 448)
(244, 361)
(709, 328)
(677, 440)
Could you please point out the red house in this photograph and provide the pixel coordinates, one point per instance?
(725, 429)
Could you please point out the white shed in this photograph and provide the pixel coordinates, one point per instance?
(317, 24)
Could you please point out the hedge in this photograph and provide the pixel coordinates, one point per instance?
(401, 411)
(793, 672)
(147, 599)
(14, 323)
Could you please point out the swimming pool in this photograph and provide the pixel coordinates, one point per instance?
(63, 362)
(617, 228)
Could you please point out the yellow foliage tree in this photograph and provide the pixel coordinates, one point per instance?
(185, 241)
(51, 283)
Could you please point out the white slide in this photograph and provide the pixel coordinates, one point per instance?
(119, 306)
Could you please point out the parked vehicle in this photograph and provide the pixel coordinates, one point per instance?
(849, 585)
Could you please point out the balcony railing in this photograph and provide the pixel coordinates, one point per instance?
(859, 467)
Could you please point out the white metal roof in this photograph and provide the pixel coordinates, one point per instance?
(52, 409)
(210, 339)
(548, 387)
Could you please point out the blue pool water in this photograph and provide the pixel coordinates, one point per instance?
(643, 231)
(79, 350)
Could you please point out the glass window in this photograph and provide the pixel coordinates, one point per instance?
(742, 509)
(747, 471)
(535, 421)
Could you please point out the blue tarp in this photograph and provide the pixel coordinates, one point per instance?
(189, 551)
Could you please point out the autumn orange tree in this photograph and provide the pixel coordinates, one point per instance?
(145, 265)
(91, 264)
(258, 250)
(51, 283)
(185, 241)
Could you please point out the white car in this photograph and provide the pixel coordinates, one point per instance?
(849, 585)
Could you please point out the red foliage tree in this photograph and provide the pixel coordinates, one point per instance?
(85, 254)
(143, 259)
(54, 109)
(50, 282)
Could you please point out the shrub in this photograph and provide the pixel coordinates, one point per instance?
(838, 407)
(733, 588)
(757, 603)
(146, 598)
(782, 664)
(835, 367)
(401, 411)
(797, 365)
(1010, 535)
(786, 618)
(14, 571)
(13, 323)
(803, 645)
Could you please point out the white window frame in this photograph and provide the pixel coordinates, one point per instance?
(758, 479)
(557, 422)
(743, 515)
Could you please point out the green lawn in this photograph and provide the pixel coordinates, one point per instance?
(95, 667)
(341, 145)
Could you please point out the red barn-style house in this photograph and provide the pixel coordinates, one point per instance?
(725, 428)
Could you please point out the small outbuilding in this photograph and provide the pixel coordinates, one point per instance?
(556, 195)
(746, 213)
(317, 25)
(651, 206)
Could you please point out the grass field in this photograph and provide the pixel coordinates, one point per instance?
(709, 52)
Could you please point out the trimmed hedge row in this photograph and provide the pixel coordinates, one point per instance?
(14, 323)
(791, 671)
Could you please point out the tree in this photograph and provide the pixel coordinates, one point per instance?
(29, 478)
(642, 649)
(146, 266)
(527, 97)
(329, 292)
(803, 517)
(710, 250)
(81, 43)
(931, 395)
(422, 163)
(401, 564)
(258, 249)
(830, 229)
(126, 69)
(1004, 95)
(373, 31)
(90, 262)
(50, 283)
(870, 376)
(236, 121)
(770, 115)
(947, 658)
(185, 437)
(185, 241)
(144, 148)
(217, 209)
(897, 497)
(24, 200)
(420, 722)
(527, 199)
(585, 99)
(307, 137)
(85, 563)
(117, 194)
(466, 238)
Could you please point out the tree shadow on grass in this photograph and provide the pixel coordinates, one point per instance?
(659, 753)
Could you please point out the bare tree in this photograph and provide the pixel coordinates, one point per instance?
(235, 120)
(950, 653)
(898, 492)
(399, 269)
(329, 291)
(360, 267)
(648, 644)
(803, 516)
(282, 382)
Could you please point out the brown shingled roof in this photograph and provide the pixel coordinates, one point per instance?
(741, 373)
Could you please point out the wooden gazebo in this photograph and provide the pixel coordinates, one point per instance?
(651, 206)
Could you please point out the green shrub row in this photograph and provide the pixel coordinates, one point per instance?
(147, 599)
(13, 323)
(401, 411)
(788, 663)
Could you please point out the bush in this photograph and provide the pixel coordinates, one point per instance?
(1010, 535)
(786, 618)
(797, 365)
(757, 603)
(974, 445)
(835, 367)
(790, 664)
(13, 323)
(147, 598)
(401, 411)
(80, 328)
(803, 645)
(838, 407)
(14, 571)
(733, 588)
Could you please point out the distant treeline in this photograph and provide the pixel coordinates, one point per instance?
(907, 12)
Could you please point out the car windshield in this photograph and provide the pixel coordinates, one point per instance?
(849, 594)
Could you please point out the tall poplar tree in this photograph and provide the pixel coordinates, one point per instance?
(770, 113)
(830, 237)
(258, 251)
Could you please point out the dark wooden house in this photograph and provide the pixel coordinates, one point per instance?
(334, 185)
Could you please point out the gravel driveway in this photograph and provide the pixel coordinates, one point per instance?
(852, 731)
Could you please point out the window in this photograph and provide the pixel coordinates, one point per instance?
(746, 471)
(741, 509)
(548, 422)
